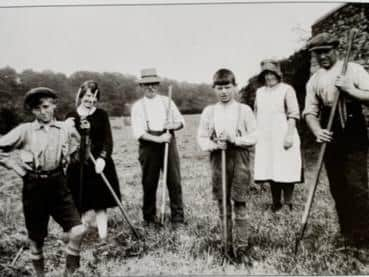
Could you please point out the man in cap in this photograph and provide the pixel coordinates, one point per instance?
(346, 156)
(42, 148)
(149, 125)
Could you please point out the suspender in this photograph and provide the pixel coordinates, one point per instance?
(146, 118)
(237, 130)
(145, 115)
(238, 120)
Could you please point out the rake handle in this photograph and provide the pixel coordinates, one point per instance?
(121, 208)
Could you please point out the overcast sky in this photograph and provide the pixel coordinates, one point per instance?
(184, 42)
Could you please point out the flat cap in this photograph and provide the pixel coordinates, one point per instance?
(322, 41)
(33, 96)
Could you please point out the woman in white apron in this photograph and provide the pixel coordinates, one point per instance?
(277, 152)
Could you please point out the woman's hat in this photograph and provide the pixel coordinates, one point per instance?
(149, 76)
(269, 65)
(322, 41)
(32, 97)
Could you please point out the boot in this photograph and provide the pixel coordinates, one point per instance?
(72, 263)
(39, 265)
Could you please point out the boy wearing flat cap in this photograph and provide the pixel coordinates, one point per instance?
(149, 127)
(231, 126)
(346, 155)
(43, 149)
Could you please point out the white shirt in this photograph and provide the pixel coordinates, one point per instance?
(321, 86)
(228, 118)
(155, 116)
(45, 146)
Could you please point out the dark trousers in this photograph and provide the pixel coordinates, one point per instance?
(278, 188)
(45, 197)
(238, 174)
(346, 165)
(151, 157)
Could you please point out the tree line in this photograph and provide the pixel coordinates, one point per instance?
(118, 92)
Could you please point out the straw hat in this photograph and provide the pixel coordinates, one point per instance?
(149, 76)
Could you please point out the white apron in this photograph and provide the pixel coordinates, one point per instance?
(272, 161)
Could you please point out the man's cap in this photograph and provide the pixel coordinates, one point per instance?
(32, 97)
(322, 41)
(269, 65)
(149, 76)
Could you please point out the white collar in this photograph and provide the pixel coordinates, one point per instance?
(82, 111)
(37, 125)
(228, 104)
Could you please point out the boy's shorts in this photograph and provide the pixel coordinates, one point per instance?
(45, 197)
(237, 172)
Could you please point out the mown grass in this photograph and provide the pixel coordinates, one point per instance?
(195, 249)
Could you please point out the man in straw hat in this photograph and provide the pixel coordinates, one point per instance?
(44, 148)
(231, 126)
(347, 148)
(149, 125)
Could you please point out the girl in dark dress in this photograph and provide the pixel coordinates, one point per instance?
(93, 198)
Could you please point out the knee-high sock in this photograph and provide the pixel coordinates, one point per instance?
(241, 231)
(102, 223)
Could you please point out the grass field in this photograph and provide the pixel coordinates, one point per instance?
(196, 248)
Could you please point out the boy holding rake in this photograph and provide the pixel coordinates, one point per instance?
(231, 127)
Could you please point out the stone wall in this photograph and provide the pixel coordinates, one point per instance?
(299, 66)
(339, 22)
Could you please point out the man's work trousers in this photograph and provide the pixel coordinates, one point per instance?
(151, 157)
(237, 171)
(346, 165)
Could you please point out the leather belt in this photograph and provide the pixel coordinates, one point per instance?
(45, 174)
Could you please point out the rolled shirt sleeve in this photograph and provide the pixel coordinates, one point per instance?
(248, 129)
(73, 140)
(361, 77)
(176, 115)
(137, 120)
(311, 100)
(204, 131)
(14, 138)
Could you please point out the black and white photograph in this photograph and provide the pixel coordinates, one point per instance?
(171, 138)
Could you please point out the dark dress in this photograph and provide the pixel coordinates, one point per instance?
(95, 194)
